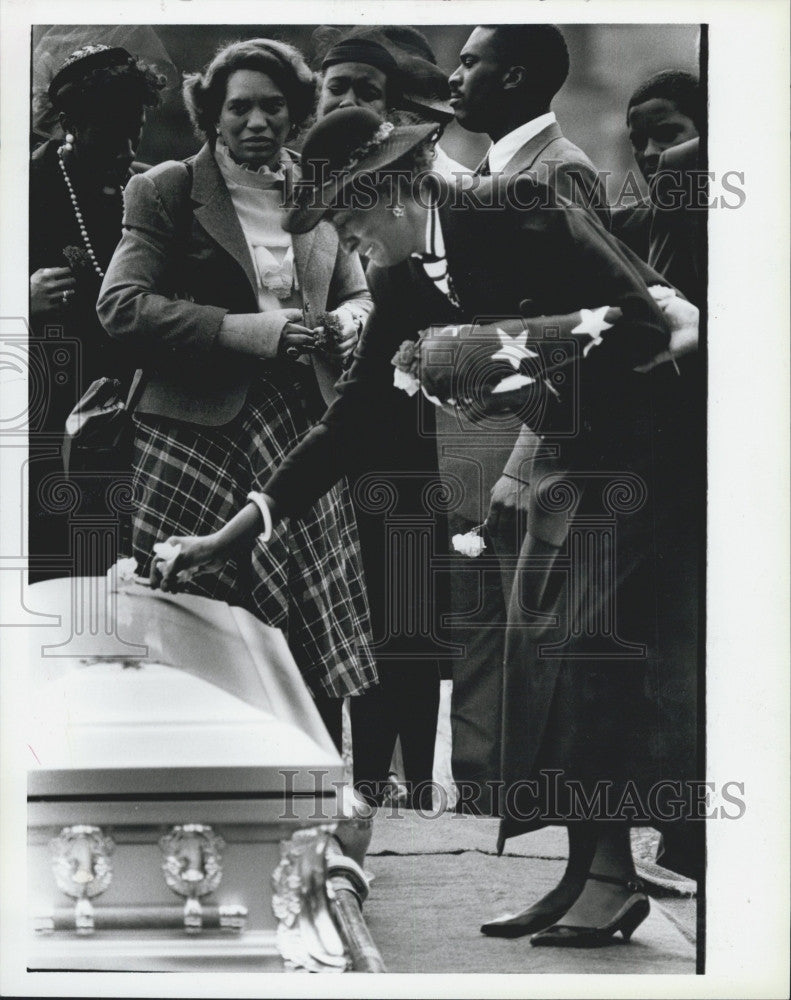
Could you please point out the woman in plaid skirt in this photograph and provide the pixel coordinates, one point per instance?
(224, 310)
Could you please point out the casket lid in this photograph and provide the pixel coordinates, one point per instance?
(143, 693)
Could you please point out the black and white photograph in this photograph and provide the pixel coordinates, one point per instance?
(394, 449)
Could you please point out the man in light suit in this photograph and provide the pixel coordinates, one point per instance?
(505, 83)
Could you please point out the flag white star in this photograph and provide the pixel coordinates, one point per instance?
(513, 349)
(593, 323)
(512, 382)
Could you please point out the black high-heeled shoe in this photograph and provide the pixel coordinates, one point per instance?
(521, 924)
(626, 920)
(538, 916)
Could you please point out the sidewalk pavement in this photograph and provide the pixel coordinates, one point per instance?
(437, 879)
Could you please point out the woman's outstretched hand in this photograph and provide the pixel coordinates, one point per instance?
(178, 559)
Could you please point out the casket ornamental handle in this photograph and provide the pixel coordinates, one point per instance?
(307, 937)
(192, 867)
(82, 869)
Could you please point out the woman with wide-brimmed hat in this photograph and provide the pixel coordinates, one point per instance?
(595, 713)
(392, 71)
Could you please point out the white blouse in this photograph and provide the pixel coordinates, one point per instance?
(257, 196)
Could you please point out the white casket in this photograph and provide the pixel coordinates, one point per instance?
(181, 791)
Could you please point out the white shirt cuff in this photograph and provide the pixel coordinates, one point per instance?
(266, 517)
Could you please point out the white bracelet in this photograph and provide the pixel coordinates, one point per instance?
(266, 516)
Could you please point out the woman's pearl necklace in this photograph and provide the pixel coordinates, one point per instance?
(78, 215)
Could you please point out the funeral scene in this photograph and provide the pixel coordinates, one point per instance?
(366, 498)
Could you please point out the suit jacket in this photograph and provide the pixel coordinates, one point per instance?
(530, 461)
(555, 161)
(631, 225)
(563, 167)
(678, 234)
(560, 260)
(181, 266)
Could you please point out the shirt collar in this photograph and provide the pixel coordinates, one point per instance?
(502, 151)
(242, 174)
(435, 243)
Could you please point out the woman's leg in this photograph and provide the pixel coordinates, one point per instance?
(330, 710)
(414, 695)
(373, 738)
(599, 902)
(551, 907)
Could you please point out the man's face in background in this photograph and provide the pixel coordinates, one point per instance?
(654, 126)
(476, 84)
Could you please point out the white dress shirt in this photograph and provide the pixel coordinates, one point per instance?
(502, 152)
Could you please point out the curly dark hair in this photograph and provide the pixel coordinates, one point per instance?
(204, 92)
(676, 86)
(101, 89)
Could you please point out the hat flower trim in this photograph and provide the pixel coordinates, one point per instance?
(377, 139)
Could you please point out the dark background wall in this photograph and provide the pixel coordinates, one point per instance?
(607, 63)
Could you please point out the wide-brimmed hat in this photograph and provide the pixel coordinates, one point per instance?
(339, 148)
(425, 89)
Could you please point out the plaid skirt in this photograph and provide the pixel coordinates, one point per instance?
(308, 579)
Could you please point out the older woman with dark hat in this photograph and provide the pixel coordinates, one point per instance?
(100, 95)
(223, 309)
(588, 699)
(390, 69)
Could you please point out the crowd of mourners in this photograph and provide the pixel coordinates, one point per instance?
(262, 304)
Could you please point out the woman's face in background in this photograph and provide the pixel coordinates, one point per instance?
(106, 138)
(350, 85)
(254, 118)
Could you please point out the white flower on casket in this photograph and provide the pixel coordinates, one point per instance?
(123, 571)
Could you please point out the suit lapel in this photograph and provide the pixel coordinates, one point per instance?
(304, 246)
(526, 157)
(216, 213)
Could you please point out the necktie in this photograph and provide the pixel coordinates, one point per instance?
(484, 169)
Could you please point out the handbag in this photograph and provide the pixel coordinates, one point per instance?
(98, 432)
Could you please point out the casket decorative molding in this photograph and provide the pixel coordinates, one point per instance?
(307, 937)
(193, 860)
(81, 861)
